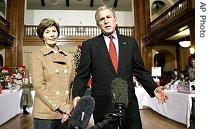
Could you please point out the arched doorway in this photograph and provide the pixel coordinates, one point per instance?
(2, 8)
(166, 60)
(1, 60)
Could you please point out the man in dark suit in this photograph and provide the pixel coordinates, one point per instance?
(96, 62)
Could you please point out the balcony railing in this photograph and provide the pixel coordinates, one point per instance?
(172, 13)
(65, 31)
(174, 18)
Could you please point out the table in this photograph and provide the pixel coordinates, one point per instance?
(140, 93)
(177, 108)
(9, 105)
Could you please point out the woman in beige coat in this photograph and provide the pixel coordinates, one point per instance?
(53, 70)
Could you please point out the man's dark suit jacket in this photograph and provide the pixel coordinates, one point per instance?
(96, 62)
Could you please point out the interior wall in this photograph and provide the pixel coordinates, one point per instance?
(184, 55)
(74, 17)
(172, 63)
(170, 56)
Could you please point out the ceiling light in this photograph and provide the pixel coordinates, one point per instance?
(192, 50)
(185, 43)
(180, 35)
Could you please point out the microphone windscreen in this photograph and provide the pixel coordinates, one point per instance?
(119, 91)
(82, 113)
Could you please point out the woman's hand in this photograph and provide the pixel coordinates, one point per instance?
(67, 114)
(75, 101)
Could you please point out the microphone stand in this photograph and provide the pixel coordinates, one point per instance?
(119, 117)
(120, 108)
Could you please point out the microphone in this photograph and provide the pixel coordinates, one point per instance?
(120, 99)
(119, 92)
(82, 113)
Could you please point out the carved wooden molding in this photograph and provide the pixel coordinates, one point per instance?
(6, 39)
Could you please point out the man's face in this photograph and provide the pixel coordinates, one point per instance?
(106, 21)
(193, 63)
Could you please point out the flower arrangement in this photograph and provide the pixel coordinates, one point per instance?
(14, 78)
(4, 72)
(77, 56)
(6, 78)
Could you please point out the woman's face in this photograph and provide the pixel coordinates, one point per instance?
(50, 36)
(8, 78)
(181, 75)
(175, 72)
(106, 21)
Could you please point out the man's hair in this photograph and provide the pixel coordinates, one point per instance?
(44, 24)
(101, 8)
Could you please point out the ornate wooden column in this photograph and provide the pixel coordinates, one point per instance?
(141, 20)
(15, 15)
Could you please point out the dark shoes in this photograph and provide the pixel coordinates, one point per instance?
(25, 112)
(24, 109)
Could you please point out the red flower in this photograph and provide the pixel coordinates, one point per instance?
(5, 68)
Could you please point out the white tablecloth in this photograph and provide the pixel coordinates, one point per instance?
(140, 93)
(9, 105)
(177, 108)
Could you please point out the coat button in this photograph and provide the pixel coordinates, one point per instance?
(57, 93)
(57, 71)
(66, 91)
(46, 97)
(50, 101)
(54, 105)
(65, 71)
